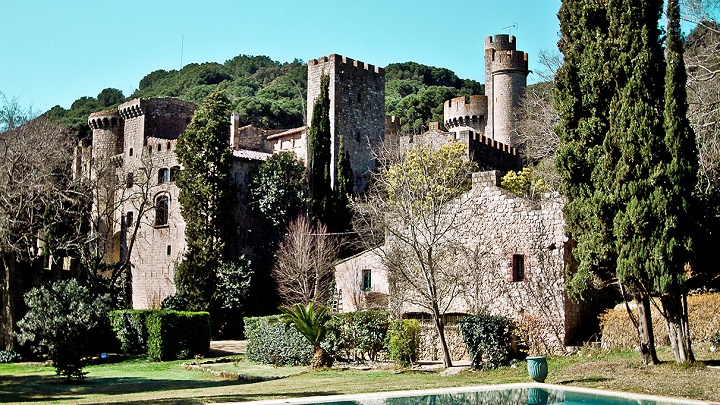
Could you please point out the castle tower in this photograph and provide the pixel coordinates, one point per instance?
(506, 71)
(357, 109)
(461, 115)
(107, 142)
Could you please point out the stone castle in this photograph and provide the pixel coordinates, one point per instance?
(139, 212)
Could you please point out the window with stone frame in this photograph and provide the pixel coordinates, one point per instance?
(130, 180)
(162, 209)
(163, 175)
(518, 268)
(366, 280)
(174, 172)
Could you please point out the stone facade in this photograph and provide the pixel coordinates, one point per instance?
(514, 264)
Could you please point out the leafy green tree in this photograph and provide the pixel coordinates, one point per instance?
(310, 321)
(110, 97)
(278, 189)
(206, 199)
(524, 183)
(63, 322)
(231, 295)
(318, 165)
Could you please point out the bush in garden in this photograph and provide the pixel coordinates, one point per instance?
(403, 341)
(489, 340)
(357, 334)
(177, 334)
(63, 322)
(269, 342)
(716, 339)
(130, 330)
(8, 356)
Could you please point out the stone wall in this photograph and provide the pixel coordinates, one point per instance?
(357, 109)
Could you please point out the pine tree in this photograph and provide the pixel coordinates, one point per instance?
(679, 199)
(206, 199)
(319, 179)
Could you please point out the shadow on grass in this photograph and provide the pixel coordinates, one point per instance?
(53, 388)
(583, 380)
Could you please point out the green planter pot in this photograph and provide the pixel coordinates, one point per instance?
(537, 368)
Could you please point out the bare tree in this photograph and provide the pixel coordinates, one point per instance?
(35, 188)
(12, 113)
(418, 204)
(304, 267)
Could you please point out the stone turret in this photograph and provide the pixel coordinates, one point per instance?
(107, 134)
(461, 115)
(506, 71)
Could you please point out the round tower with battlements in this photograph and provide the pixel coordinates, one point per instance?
(506, 71)
(461, 114)
(107, 134)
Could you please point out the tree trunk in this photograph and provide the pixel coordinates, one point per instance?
(645, 331)
(321, 358)
(440, 327)
(675, 313)
(8, 301)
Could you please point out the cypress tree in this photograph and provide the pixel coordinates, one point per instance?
(344, 182)
(206, 199)
(319, 181)
(583, 89)
(679, 202)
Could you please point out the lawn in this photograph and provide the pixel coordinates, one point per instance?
(140, 381)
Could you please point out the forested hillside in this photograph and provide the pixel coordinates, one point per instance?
(271, 94)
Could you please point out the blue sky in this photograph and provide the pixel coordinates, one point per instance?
(55, 52)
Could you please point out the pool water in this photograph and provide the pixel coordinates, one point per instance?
(510, 394)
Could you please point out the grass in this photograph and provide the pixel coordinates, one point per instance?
(140, 381)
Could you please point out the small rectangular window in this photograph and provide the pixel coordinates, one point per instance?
(163, 175)
(162, 207)
(169, 249)
(129, 219)
(366, 280)
(130, 152)
(518, 268)
(129, 180)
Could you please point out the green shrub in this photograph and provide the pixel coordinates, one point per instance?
(270, 342)
(488, 339)
(130, 330)
(177, 334)
(64, 322)
(403, 340)
(162, 334)
(716, 339)
(8, 356)
(356, 334)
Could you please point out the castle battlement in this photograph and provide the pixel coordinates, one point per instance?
(458, 112)
(104, 119)
(501, 42)
(341, 61)
(131, 109)
(506, 59)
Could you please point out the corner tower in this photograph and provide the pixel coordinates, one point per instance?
(506, 71)
(357, 109)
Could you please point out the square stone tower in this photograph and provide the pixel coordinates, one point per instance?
(357, 109)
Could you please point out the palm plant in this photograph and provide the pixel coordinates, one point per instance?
(310, 322)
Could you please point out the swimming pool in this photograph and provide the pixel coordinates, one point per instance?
(510, 394)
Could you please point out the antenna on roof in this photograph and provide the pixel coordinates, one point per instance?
(511, 27)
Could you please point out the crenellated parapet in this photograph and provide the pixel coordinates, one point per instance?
(340, 61)
(104, 119)
(461, 113)
(131, 109)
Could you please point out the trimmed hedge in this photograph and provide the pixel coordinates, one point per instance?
(162, 334)
(356, 334)
(618, 331)
(270, 342)
(489, 340)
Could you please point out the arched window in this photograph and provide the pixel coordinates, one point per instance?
(174, 172)
(162, 208)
